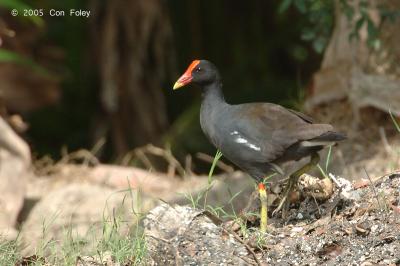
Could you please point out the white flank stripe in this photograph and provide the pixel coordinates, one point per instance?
(254, 147)
(241, 140)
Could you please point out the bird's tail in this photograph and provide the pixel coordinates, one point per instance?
(326, 139)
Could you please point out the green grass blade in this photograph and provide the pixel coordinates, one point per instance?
(217, 156)
(268, 177)
(322, 171)
(328, 158)
(396, 124)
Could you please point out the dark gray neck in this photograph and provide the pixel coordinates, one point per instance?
(212, 105)
(212, 93)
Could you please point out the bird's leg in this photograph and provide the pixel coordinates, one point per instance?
(284, 203)
(293, 180)
(264, 207)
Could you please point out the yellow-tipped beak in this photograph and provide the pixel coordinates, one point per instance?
(178, 85)
(186, 78)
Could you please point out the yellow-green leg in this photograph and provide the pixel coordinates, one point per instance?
(264, 207)
(293, 180)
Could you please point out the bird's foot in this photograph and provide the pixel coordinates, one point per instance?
(284, 203)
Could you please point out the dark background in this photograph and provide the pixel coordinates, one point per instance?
(260, 48)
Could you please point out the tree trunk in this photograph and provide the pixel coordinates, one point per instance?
(133, 42)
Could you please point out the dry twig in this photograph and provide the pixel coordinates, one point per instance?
(142, 152)
(373, 188)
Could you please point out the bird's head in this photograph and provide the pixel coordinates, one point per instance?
(199, 72)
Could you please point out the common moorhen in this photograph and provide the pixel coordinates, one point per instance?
(257, 137)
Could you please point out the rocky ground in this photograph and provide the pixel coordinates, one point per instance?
(358, 225)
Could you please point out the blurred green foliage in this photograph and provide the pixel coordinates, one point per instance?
(321, 17)
(20, 6)
(67, 124)
(9, 56)
(365, 19)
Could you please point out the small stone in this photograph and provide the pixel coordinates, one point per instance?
(297, 229)
(374, 228)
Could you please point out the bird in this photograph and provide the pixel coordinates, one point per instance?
(257, 137)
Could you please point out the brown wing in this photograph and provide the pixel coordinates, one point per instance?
(273, 128)
(306, 118)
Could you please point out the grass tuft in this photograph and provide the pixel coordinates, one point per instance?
(121, 240)
(9, 253)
